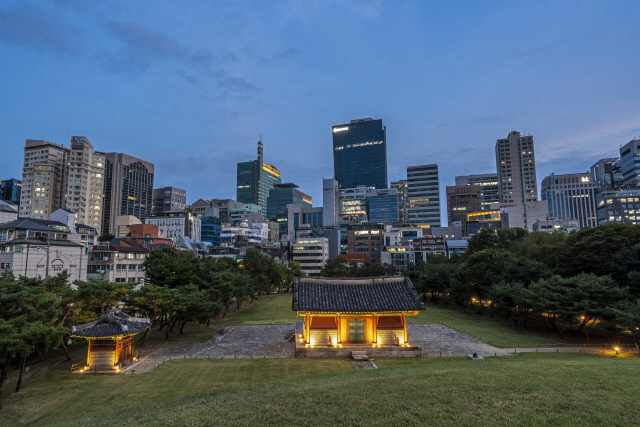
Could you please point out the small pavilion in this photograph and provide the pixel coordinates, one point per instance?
(110, 339)
(357, 312)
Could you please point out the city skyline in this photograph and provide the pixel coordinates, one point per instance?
(150, 88)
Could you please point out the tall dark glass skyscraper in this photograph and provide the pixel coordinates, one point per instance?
(360, 154)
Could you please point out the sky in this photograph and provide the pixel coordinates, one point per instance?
(191, 86)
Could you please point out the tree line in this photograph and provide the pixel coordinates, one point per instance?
(36, 314)
(574, 281)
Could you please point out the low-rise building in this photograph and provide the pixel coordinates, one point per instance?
(311, 253)
(365, 239)
(618, 207)
(31, 248)
(122, 225)
(118, 261)
(554, 224)
(177, 224)
(8, 212)
(455, 247)
(425, 247)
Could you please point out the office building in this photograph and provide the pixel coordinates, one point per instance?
(401, 189)
(488, 183)
(280, 197)
(607, 173)
(630, 163)
(618, 206)
(220, 208)
(128, 189)
(10, 190)
(365, 239)
(360, 154)
(123, 225)
(312, 253)
(383, 206)
(571, 196)
(425, 247)
(353, 203)
(177, 224)
(210, 229)
(248, 213)
(168, 199)
(330, 202)
(255, 179)
(298, 216)
(423, 194)
(461, 200)
(452, 232)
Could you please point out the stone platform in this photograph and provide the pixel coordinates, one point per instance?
(345, 350)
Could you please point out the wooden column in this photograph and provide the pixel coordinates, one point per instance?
(374, 319)
(89, 353)
(404, 325)
(339, 328)
(307, 329)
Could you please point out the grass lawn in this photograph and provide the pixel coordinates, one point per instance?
(529, 389)
(493, 330)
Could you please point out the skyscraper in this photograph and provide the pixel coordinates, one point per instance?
(488, 183)
(279, 197)
(383, 206)
(462, 200)
(607, 173)
(423, 194)
(128, 189)
(571, 196)
(516, 164)
(360, 154)
(255, 179)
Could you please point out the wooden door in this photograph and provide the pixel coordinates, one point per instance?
(356, 330)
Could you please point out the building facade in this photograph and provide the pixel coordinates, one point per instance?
(10, 190)
(118, 261)
(607, 173)
(630, 163)
(280, 197)
(401, 190)
(169, 199)
(571, 196)
(618, 207)
(255, 179)
(177, 224)
(354, 203)
(383, 206)
(516, 164)
(423, 193)
(489, 189)
(360, 154)
(311, 253)
(365, 239)
(461, 200)
(210, 229)
(330, 202)
(128, 189)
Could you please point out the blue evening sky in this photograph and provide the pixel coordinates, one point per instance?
(191, 85)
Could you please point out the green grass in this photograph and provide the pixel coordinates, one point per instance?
(531, 389)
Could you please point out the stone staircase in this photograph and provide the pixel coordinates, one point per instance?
(362, 361)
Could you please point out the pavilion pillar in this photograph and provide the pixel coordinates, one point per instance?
(307, 329)
(404, 326)
(374, 327)
(339, 328)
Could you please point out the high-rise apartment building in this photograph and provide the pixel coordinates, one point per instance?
(169, 199)
(360, 154)
(84, 184)
(516, 164)
(56, 177)
(630, 163)
(423, 194)
(401, 189)
(571, 196)
(43, 179)
(255, 179)
(607, 173)
(488, 183)
(128, 189)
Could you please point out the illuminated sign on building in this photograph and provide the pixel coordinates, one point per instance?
(341, 129)
(362, 144)
(585, 179)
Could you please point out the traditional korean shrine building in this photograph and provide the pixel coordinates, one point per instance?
(110, 339)
(364, 313)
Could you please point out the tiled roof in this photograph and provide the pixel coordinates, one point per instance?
(113, 323)
(40, 241)
(355, 295)
(27, 224)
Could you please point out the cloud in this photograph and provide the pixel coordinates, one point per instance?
(189, 78)
(28, 26)
(238, 84)
(292, 51)
(145, 40)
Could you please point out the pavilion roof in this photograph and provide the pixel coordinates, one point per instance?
(355, 295)
(115, 322)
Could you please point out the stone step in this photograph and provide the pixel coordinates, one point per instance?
(359, 355)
